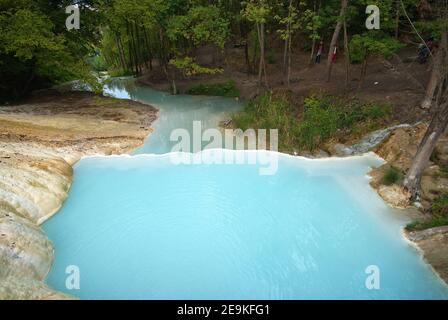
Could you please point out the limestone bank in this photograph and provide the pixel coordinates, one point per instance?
(40, 140)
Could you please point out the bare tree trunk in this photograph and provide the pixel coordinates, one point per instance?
(313, 46)
(263, 59)
(133, 58)
(121, 52)
(363, 72)
(334, 39)
(148, 47)
(173, 82)
(289, 33)
(246, 55)
(246, 47)
(285, 56)
(135, 44)
(435, 74)
(254, 53)
(163, 63)
(260, 64)
(288, 79)
(436, 128)
(397, 18)
(347, 56)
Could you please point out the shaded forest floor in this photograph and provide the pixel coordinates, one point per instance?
(400, 81)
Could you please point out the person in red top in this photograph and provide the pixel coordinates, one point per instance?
(334, 54)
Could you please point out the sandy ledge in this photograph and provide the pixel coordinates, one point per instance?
(40, 140)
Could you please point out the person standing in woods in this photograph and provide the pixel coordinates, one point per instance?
(320, 49)
(334, 54)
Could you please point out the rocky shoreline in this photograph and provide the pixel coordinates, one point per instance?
(398, 150)
(40, 140)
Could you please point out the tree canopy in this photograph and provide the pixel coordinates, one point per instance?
(127, 36)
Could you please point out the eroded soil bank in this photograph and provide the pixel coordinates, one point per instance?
(40, 140)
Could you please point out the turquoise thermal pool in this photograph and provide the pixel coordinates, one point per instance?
(141, 227)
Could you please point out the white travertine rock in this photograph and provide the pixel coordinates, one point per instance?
(38, 144)
(395, 195)
(25, 250)
(14, 288)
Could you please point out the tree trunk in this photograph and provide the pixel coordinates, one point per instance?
(287, 63)
(334, 39)
(244, 32)
(121, 52)
(397, 18)
(246, 55)
(285, 57)
(436, 128)
(260, 64)
(313, 46)
(347, 56)
(363, 72)
(288, 78)
(162, 56)
(174, 87)
(148, 47)
(313, 43)
(435, 74)
(263, 59)
(137, 47)
(130, 48)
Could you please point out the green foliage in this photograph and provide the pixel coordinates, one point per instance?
(226, 89)
(426, 224)
(444, 170)
(319, 123)
(256, 11)
(329, 117)
(191, 68)
(392, 176)
(98, 63)
(119, 73)
(323, 118)
(439, 215)
(26, 33)
(439, 206)
(312, 23)
(36, 50)
(201, 25)
(270, 112)
(290, 23)
(365, 45)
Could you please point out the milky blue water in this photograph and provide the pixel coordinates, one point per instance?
(141, 227)
(175, 111)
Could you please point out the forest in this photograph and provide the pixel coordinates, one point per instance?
(126, 37)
